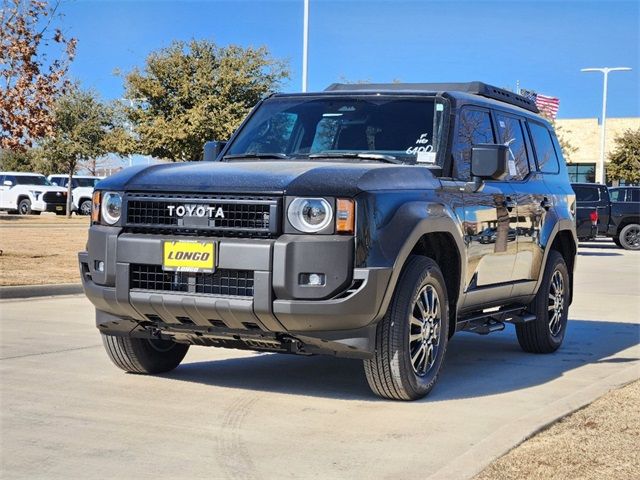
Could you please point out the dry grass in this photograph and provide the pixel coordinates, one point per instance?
(598, 442)
(41, 249)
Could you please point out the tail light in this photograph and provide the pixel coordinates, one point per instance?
(594, 217)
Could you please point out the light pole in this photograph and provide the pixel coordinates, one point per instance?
(305, 45)
(600, 170)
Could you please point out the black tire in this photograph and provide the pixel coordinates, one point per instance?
(24, 207)
(629, 237)
(391, 372)
(85, 207)
(138, 355)
(546, 333)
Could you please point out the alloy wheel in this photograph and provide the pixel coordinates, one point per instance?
(556, 303)
(632, 237)
(424, 331)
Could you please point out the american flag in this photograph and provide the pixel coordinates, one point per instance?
(548, 106)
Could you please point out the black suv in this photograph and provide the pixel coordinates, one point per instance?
(367, 221)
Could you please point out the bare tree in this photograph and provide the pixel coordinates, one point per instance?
(31, 81)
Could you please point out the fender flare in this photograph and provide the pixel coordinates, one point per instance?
(562, 225)
(412, 221)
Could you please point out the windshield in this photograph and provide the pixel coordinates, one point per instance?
(85, 182)
(401, 127)
(31, 180)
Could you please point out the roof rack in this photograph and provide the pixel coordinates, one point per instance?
(474, 88)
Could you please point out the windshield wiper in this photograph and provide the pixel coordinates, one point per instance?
(233, 156)
(363, 155)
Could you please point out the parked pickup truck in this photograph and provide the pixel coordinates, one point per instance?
(615, 211)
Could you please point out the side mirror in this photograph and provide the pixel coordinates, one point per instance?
(8, 183)
(54, 183)
(212, 150)
(490, 162)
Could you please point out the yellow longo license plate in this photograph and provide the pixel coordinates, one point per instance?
(189, 256)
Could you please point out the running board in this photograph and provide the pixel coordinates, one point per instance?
(494, 321)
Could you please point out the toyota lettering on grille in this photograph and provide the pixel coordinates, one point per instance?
(195, 210)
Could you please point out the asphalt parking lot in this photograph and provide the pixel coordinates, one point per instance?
(68, 413)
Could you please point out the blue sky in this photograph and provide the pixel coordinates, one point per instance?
(541, 44)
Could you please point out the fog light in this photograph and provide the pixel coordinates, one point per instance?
(312, 279)
(99, 266)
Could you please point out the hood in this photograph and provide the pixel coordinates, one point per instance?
(41, 188)
(272, 177)
(83, 191)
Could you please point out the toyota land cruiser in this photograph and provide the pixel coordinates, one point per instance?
(350, 222)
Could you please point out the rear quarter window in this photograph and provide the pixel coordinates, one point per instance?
(545, 151)
(586, 194)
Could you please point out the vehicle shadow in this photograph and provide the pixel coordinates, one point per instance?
(601, 244)
(598, 254)
(475, 366)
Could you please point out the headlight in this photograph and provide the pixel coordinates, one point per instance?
(309, 215)
(111, 207)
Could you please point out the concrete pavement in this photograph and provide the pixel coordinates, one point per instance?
(66, 412)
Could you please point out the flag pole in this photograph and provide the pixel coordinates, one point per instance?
(305, 45)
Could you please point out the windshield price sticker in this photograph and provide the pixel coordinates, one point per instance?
(426, 157)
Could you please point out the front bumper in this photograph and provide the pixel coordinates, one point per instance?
(339, 317)
(42, 206)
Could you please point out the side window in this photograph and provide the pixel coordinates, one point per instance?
(510, 133)
(474, 127)
(633, 195)
(586, 194)
(616, 195)
(543, 145)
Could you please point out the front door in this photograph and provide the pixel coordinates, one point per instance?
(489, 217)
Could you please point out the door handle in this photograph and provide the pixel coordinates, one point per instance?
(509, 203)
(546, 204)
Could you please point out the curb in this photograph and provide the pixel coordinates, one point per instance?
(500, 442)
(30, 291)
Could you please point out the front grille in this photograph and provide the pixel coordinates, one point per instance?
(54, 197)
(224, 282)
(202, 214)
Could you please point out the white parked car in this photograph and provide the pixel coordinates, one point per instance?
(30, 193)
(82, 190)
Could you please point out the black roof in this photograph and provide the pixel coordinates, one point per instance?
(474, 88)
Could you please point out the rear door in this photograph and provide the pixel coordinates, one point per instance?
(531, 193)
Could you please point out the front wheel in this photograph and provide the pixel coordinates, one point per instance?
(551, 308)
(85, 207)
(24, 207)
(630, 237)
(140, 355)
(411, 339)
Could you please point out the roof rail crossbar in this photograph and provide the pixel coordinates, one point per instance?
(475, 88)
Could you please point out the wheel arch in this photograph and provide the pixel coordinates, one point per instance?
(433, 232)
(626, 221)
(564, 242)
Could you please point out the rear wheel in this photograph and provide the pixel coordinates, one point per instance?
(411, 340)
(551, 307)
(139, 355)
(24, 207)
(630, 237)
